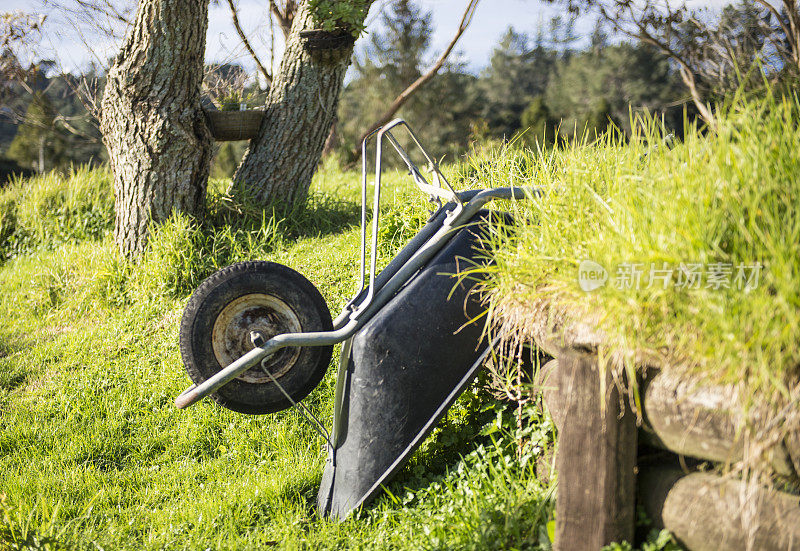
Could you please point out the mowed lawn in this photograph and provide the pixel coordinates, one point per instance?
(93, 453)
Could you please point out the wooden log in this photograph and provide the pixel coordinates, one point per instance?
(702, 421)
(698, 421)
(706, 421)
(707, 512)
(596, 458)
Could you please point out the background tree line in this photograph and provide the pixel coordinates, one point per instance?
(535, 87)
(540, 88)
(538, 91)
(44, 125)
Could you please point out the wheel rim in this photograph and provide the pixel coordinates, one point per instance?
(265, 314)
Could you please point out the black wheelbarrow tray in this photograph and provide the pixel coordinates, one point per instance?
(258, 337)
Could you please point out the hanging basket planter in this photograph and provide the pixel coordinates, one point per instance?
(320, 39)
(227, 126)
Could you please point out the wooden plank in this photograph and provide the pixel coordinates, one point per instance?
(596, 458)
(707, 512)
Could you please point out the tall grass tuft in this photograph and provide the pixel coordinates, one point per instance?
(719, 200)
(51, 209)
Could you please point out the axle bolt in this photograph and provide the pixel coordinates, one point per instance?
(257, 339)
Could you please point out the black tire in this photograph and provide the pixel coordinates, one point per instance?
(266, 297)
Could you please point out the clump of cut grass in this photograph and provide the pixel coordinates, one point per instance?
(724, 200)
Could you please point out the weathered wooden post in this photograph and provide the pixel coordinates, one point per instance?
(599, 473)
(596, 459)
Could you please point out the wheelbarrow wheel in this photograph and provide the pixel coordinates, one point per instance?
(266, 298)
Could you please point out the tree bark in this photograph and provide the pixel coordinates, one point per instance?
(152, 124)
(300, 110)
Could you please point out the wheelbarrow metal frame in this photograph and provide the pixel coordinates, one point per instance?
(369, 299)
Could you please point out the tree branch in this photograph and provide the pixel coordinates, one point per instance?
(404, 96)
(777, 16)
(691, 83)
(686, 73)
(246, 42)
(285, 17)
(794, 24)
(72, 130)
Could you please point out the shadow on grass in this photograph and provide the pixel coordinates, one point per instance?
(320, 214)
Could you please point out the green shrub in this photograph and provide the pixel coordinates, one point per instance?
(340, 14)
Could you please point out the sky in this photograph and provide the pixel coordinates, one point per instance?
(491, 20)
(65, 43)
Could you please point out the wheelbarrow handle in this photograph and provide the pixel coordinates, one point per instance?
(259, 353)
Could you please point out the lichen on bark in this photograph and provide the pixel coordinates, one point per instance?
(158, 142)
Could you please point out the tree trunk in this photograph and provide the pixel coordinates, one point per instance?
(300, 110)
(40, 165)
(157, 139)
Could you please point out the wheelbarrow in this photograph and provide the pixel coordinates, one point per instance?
(257, 337)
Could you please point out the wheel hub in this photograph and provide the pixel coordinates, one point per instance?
(260, 313)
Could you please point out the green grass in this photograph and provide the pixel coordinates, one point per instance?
(93, 454)
(725, 197)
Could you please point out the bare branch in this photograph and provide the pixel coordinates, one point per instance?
(738, 46)
(64, 121)
(404, 96)
(19, 32)
(246, 42)
(17, 27)
(106, 8)
(284, 16)
(688, 78)
(792, 13)
(110, 18)
(271, 43)
(641, 32)
(769, 7)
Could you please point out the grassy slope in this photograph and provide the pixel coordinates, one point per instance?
(94, 455)
(728, 197)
